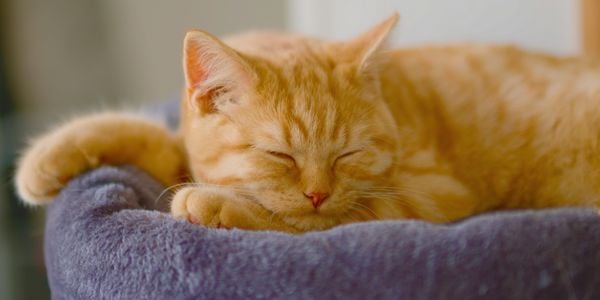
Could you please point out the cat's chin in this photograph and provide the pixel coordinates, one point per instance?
(313, 220)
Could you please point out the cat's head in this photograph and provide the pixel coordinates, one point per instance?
(296, 123)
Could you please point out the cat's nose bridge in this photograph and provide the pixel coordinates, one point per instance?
(316, 178)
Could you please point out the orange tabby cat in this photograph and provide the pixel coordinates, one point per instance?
(290, 133)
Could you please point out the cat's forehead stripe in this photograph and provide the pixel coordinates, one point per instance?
(334, 124)
(300, 125)
(287, 132)
(307, 104)
(316, 123)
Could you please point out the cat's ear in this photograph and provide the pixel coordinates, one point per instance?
(215, 74)
(366, 46)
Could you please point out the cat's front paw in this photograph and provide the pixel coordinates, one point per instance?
(45, 169)
(88, 142)
(219, 208)
(211, 207)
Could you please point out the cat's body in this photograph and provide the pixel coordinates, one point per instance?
(516, 129)
(295, 134)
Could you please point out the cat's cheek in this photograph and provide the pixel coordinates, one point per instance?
(356, 169)
(375, 163)
(345, 169)
(382, 163)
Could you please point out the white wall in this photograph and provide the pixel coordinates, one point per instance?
(64, 56)
(550, 25)
(146, 37)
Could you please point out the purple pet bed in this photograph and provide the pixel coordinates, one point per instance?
(106, 238)
(104, 241)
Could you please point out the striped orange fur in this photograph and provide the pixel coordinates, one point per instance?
(435, 133)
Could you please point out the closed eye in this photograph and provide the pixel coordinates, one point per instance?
(347, 154)
(281, 155)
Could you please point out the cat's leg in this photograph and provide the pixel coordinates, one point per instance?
(217, 207)
(85, 143)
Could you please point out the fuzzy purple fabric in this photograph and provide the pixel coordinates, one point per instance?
(103, 241)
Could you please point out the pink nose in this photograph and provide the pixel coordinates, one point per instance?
(316, 198)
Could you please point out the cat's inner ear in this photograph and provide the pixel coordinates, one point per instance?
(215, 74)
(365, 47)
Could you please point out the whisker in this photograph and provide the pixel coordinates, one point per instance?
(355, 204)
(167, 190)
(349, 217)
(238, 190)
(403, 196)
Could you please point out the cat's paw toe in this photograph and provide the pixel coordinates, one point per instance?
(36, 189)
(42, 174)
(219, 208)
(202, 206)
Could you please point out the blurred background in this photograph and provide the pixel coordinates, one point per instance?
(62, 57)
